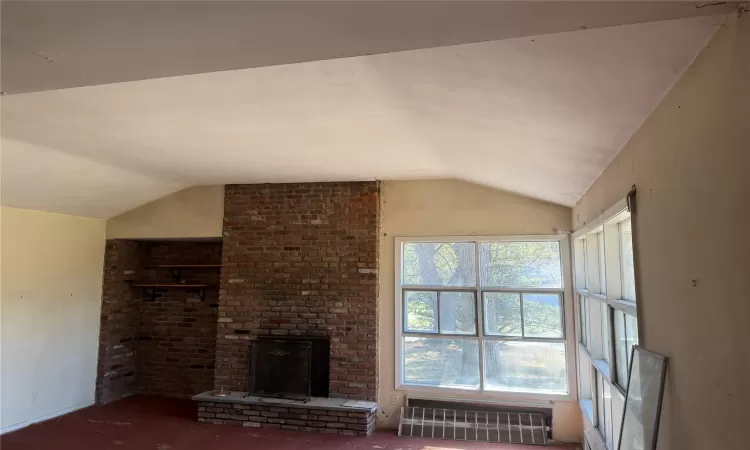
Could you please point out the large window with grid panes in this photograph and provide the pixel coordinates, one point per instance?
(606, 322)
(484, 316)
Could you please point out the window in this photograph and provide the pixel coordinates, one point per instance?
(626, 255)
(483, 315)
(605, 312)
(602, 263)
(607, 428)
(584, 320)
(626, 335)
(600, 410)
(621, 356)
(607, 323)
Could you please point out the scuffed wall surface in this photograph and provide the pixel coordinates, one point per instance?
(50, 301)
(690, 163)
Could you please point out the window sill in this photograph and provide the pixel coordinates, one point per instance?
(625, 305)
(520, 398)
(602, 367)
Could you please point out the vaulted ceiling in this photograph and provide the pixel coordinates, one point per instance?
(109, 105)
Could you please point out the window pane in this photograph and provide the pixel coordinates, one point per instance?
(621, 358)
(608, 415)
(441, 362)
(626, 256)
(439, 264)
(600, 412)
(518, 366)
(631, 333)
(421, 311)
(602, 271)
(502, 314)
(520, 264)
(457, 313)
(605, 331)
(585, 321)
(585, 261)
(542, 316)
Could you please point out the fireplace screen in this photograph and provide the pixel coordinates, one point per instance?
(280, 368)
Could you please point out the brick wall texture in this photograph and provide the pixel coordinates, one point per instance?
(301, 259)
(118, 335)
(177, 330)
(299, 418)
(163, 345)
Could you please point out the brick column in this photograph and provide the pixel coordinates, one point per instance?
(118, 333)
(301, 259)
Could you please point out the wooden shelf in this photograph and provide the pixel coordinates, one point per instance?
(179, 281)
(185, 285)
(187, 266)
(150, 288)
(176, 269)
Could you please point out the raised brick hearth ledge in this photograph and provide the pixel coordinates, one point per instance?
(319, 415)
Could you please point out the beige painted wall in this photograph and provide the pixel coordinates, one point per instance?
(690, 162)
(50, 302)
(453, 208)
(195, 212)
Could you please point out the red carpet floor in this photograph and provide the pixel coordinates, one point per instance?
(153, 423)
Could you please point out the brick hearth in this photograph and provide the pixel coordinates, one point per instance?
(320, 415)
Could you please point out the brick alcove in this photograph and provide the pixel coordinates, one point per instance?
(161, 342)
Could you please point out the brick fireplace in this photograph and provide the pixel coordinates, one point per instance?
(301, 260)
(295, 261)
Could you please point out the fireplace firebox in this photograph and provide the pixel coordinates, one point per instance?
(289, 367)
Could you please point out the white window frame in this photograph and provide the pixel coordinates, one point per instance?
(480, 394)
(587, 284)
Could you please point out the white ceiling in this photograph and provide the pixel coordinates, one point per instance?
(540, 116)
(63, 43)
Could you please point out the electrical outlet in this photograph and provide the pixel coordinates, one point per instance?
(394, 399)
(34, 395)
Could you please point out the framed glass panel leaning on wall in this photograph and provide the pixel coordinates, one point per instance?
(485, 317)
(606, 319)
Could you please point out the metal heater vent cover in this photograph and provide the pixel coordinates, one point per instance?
(459, 425)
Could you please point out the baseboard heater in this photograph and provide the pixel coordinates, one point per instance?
(465, 421)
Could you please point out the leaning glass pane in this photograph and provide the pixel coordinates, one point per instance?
(457, 313)
(439, 264)
(441, 362)
(542, 315)
(502, 314)
(520, 264)
(421, 311)
(518, 366)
